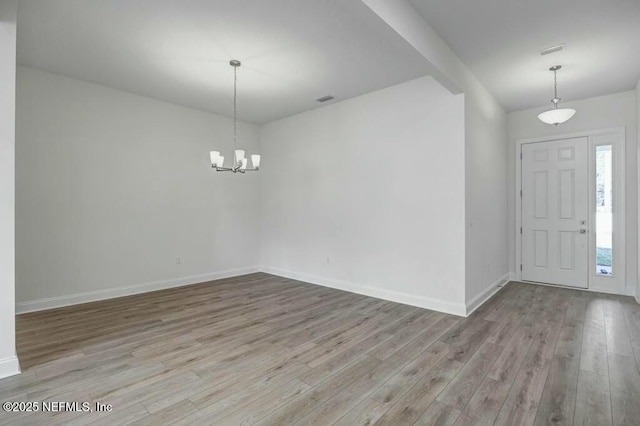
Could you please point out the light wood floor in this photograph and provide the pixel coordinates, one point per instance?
(264, 350)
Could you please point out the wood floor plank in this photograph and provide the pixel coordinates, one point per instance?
(625, 389)
(337, 362)
(169, 415)
(462, 387)
(422, 340)
(228, 403)
(632, 317)
(308, 401)
(403, 332)
(502, 333)
(558, 401)
(252, 412)
(438, 414)
(593, 400)
(508, 363)
(491, 396)
(261, 349)
(618, 340)
(394, 388)
(350, 397)
(523, 401)
(366, 413)
(593, 355)
(414, 403)
(485, 404)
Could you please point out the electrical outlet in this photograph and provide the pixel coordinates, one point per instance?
(178, 261)
(328, 261)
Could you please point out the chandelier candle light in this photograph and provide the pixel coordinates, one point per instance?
(239, 160)
(556, 115)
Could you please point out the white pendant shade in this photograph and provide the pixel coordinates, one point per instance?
(556, 116)
(214, 157)
(239, 156)
(255, 159)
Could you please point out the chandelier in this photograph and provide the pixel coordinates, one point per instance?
(239, 160)
(556, 115)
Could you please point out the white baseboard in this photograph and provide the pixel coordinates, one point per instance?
(393, 296)
(477, 301)
(9, 367)
(93, 296)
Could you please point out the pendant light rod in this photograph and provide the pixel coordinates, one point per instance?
(555, 99)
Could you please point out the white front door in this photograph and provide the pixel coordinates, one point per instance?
(555, 212)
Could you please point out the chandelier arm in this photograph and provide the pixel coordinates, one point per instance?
(235, 170)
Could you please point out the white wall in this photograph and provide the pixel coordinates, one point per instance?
(485, 150)
(485, 194)
(368, 195)
(113, 187)
(615, 110)
(638, 160)
(8, 360)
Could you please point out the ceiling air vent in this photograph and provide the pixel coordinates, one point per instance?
(325, 98)
(552, 49)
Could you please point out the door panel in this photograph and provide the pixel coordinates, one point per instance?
(554, 211)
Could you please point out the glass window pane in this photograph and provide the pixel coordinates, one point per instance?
(604, 210)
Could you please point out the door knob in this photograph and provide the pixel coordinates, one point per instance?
(583, 231)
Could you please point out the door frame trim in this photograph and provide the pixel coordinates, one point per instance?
(620, 132)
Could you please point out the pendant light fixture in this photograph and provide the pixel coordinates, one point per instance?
(239, 160)
(556, 115)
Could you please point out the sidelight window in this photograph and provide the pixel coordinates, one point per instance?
(604, 210)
